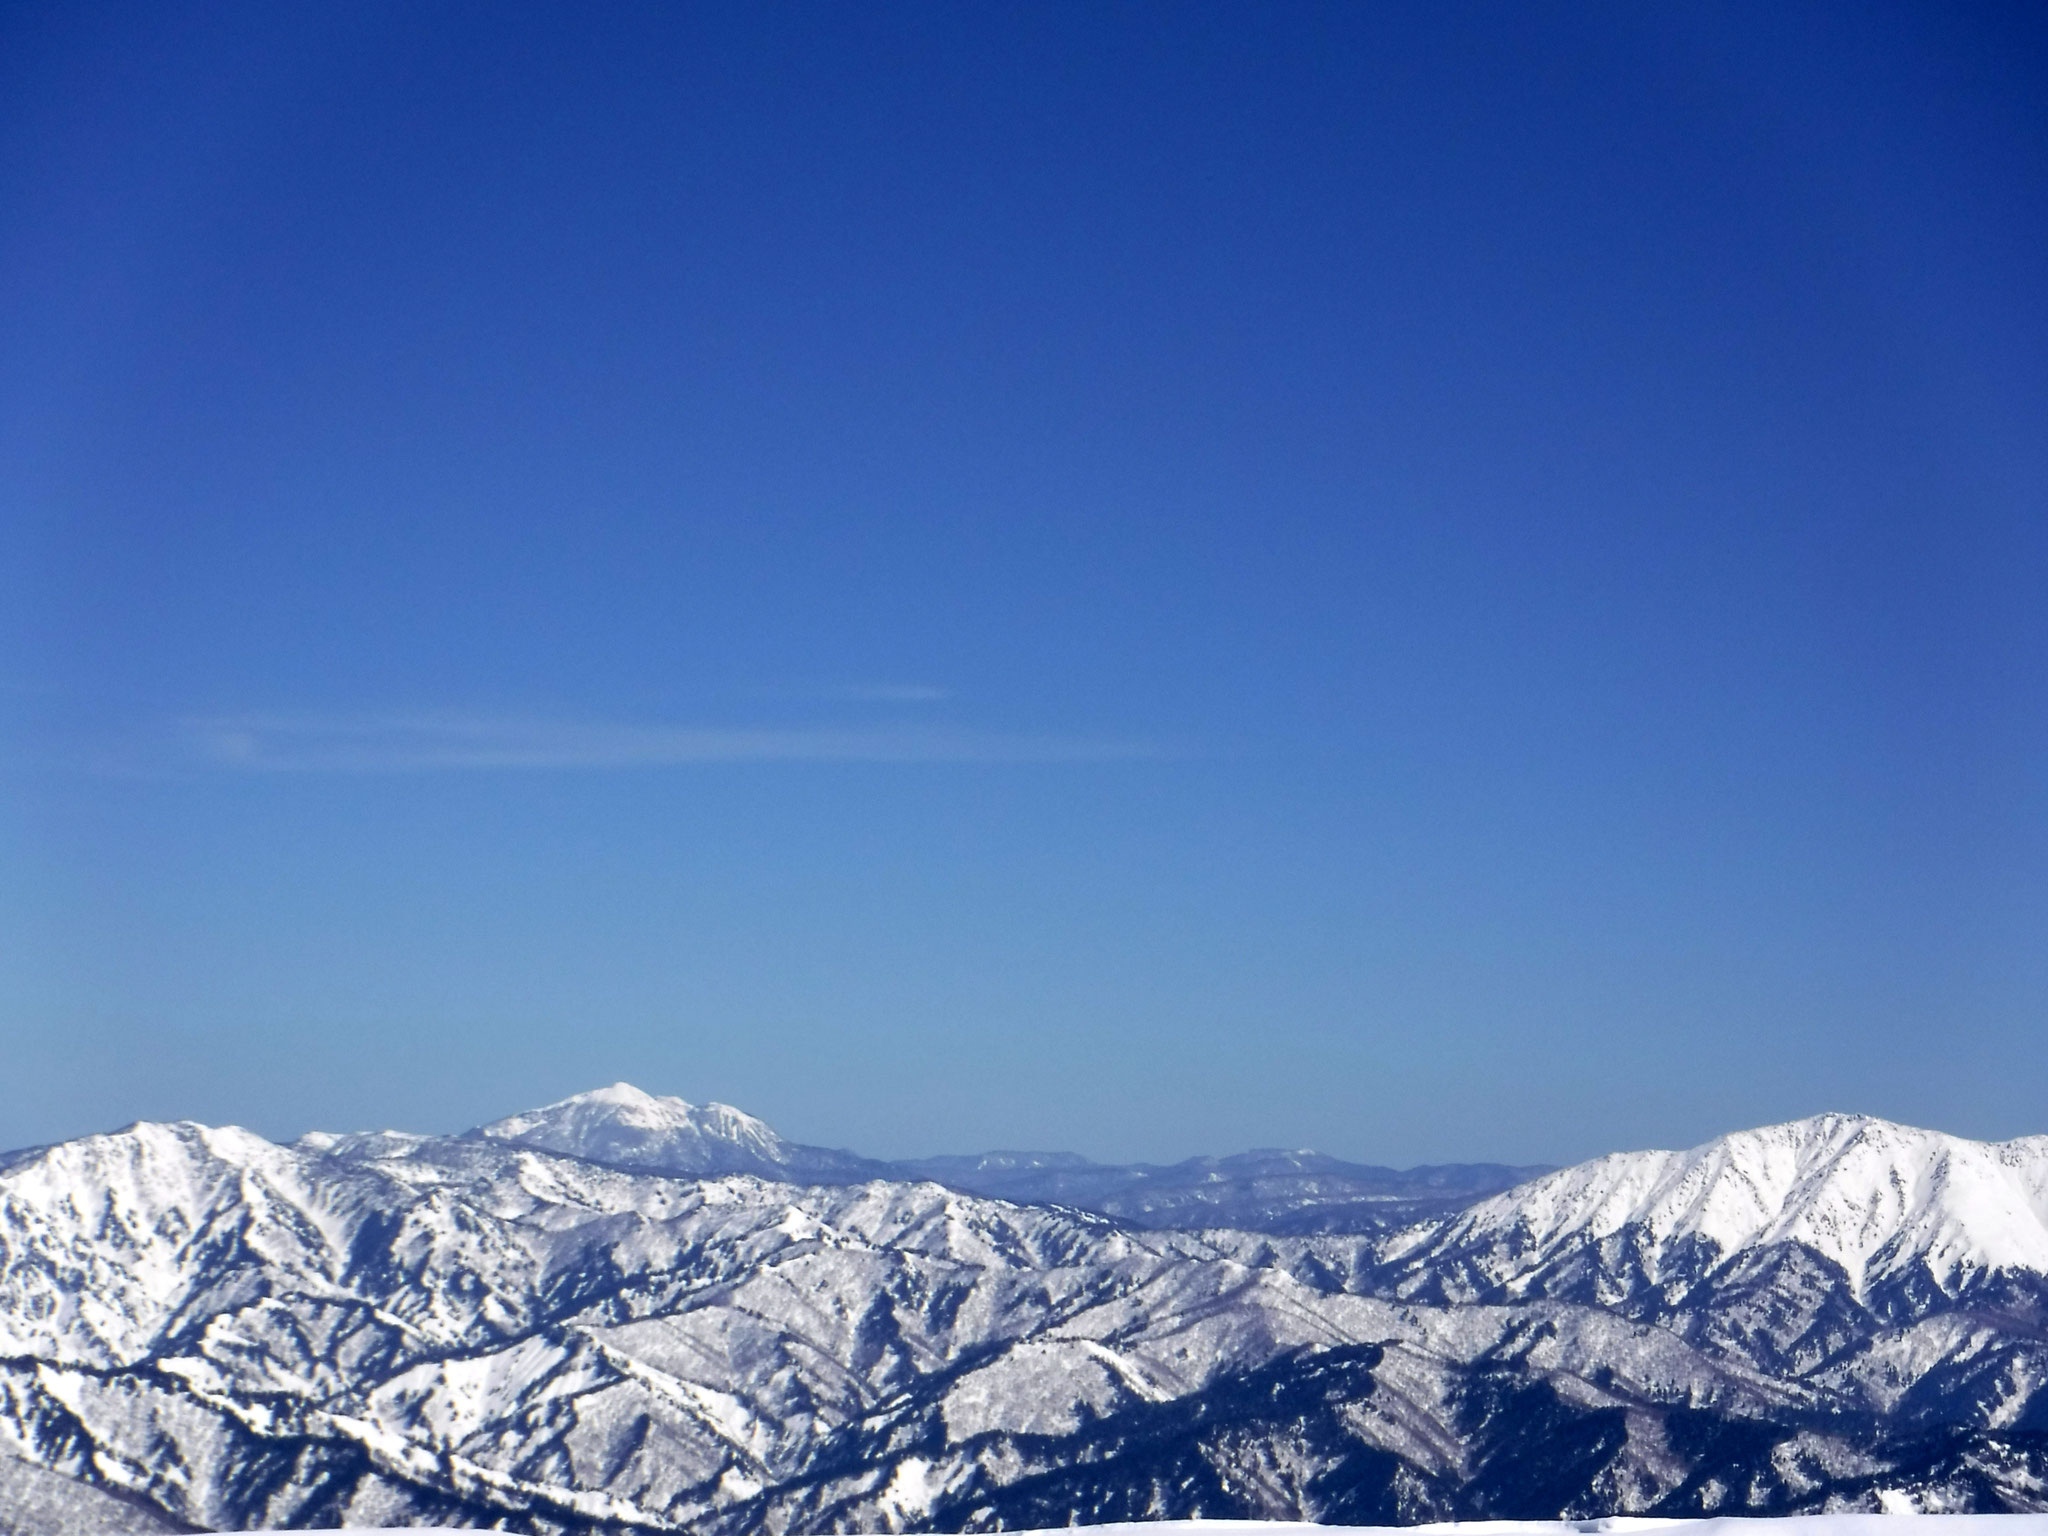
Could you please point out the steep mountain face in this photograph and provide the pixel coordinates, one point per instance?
(220, 1332)
(1901, 1220)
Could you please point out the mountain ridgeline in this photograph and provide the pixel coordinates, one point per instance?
(624, 1313)
(1263, 1191)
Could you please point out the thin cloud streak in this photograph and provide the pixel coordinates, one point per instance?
(444, 743)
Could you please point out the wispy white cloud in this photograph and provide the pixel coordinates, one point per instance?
(434, 743)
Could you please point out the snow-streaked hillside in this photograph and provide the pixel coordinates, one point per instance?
(1879, 1201)
(390, 1329)
(627, 1128)
(35, 1501)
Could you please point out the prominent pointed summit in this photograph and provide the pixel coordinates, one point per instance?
(626, 1127)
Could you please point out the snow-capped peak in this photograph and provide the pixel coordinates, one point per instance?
(628, 1127)
(631, 1128)
(1873, 1197)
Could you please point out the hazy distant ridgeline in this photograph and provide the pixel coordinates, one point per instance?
(528, 1326)
(1262, 1191)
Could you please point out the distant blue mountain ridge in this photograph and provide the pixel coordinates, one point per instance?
(1292, 1193)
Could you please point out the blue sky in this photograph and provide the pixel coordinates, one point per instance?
(1432, 582)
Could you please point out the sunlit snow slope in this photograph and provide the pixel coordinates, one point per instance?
(400, 1330)
(627, 1128)
(1883, 1203)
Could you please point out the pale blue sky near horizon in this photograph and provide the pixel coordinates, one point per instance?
(1438, 583)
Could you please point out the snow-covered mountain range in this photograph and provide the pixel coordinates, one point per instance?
(578, 1319)
(1264, 1191)
(1886, 1205)
(1291, 1193)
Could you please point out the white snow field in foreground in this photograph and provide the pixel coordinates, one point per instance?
(1720, 1525)
(1621, 1525)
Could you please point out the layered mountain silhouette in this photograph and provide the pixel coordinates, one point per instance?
(1262, 1191)
(589, 1317)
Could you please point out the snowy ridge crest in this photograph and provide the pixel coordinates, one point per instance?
(624, 1125)
(394, 1330)
(627, 1128)
(1870, 1196)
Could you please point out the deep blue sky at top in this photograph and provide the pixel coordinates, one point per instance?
(1432, 582)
